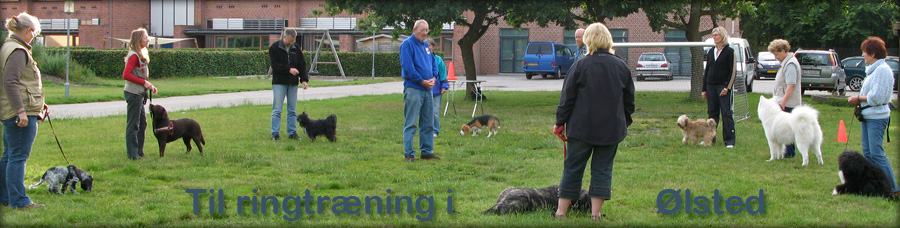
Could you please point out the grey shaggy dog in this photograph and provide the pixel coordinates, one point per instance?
(67, 176)
(514, 200)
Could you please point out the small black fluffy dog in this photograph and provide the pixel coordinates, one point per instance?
(66, 176)
(514, 200)
(318, 127)
(861, 177)
(167, 130)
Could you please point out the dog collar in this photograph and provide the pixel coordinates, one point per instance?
(166, 128)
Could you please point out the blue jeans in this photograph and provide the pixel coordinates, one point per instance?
(601, 157)
(279, 92)
(17, 143)
(789, 149)
(872, 139)
(418, 106)
(437, 114)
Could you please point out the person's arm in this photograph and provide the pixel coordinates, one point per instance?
(628, 97)
(127, 74)
(301, 65)
(567, 96)
(730, 64)
(706, 72)
(407, 63)
(15, 64)
(279, 64)
(790, 78)
(442, 69)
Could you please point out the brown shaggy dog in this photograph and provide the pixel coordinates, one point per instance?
(696, 130)
(170, 130)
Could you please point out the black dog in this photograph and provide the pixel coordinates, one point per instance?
(861, 177)
(318, 127)
(514, 200)
(167, 130)
(66, 176)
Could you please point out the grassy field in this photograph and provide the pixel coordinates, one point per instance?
(110, 90)
(367, 161)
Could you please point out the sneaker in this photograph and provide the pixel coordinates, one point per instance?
(556, 216)
(275, 137)
(597, 217)
(435, 135)
(430, 156)
(729, 146)
(30, 206)
(294, 136)
(410, 158)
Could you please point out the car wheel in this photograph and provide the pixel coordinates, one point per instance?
(528, 76)
(543, 75)
(842, 92)
(558, 73)
(855, 83)
(639, 78)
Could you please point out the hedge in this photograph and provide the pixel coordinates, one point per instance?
(189, 62)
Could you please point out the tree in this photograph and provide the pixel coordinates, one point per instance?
(821, 24)
(402, 15)
(686, 15)
(602, 10)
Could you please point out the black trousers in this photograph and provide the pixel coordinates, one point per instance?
(135, 126)
(601, 169)
(716, 105)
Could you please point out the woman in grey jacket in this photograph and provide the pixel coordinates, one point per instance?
(874, 97)
(596, 104)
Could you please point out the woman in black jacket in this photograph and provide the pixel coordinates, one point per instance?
(596, 104)
(717, 83)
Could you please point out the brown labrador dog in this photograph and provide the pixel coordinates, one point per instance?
(167, 130)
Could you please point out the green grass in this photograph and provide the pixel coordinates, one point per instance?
(368, 159)
(110, 90)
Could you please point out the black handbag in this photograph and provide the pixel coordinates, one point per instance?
(857, 112)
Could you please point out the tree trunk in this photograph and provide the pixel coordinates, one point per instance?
(467, 44)
(692, 33)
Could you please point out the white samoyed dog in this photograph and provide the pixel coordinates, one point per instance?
(800, 127)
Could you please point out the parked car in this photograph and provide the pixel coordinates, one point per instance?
(742, 54)
(768, 65)
(653, 64)
(821, 71)
(547, 58)
(855, 69)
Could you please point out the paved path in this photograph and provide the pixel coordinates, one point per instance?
(502, 82)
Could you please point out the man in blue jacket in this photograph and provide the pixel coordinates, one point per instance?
(418, 71)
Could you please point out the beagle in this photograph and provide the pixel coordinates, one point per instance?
(491, 123)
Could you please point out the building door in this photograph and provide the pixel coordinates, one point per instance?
(512, 50)
(679, 57)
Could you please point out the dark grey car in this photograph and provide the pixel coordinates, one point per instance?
(821, 71)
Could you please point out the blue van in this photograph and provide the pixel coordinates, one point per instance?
(547, 58)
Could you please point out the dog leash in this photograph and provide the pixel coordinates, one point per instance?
(47, 114)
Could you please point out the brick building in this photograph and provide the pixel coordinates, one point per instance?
(256, 24)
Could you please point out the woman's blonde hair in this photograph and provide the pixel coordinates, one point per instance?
(722, 32)
(779, 45)
(19, 23)
(596, 37)
(137, 45)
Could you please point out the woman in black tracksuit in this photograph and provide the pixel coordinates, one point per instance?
(717, 83)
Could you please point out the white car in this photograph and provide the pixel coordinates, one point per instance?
(653, 64)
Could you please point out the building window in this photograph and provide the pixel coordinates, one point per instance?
(334, 39)
(620, 36)
(569, 37)
(679, 57)
(447, 47)
(243, 42)
(512, 50)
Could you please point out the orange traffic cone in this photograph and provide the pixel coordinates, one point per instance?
(451, 73)
(842, 133)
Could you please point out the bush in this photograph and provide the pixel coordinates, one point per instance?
(187, 62)
(54, 63)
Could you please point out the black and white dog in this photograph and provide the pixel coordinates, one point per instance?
(859, 176)
(67, 176)
(514, 200)
(313, 128)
